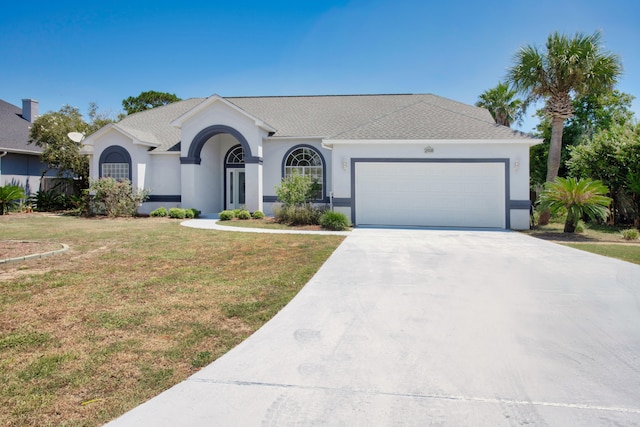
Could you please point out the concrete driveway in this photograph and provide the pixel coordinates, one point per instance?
(432, 327)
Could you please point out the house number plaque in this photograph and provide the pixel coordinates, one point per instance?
(428, 149)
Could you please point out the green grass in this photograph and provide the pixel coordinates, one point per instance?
(624, 252)
(134, 306)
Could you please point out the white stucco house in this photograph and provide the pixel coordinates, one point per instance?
(405, 160)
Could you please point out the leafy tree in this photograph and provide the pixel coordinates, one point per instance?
(148, 100)
(297, 189)
(10, 195)
(50, 131)
(612, 156)
(579, 197)
(502, 104)
(567, 68)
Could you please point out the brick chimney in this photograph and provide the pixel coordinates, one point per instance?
(29, 110)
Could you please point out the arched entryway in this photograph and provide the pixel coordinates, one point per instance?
(234, 178)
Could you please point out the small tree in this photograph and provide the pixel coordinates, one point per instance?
(296, 190)
(117, 198)
(579, 197)
(10, 195)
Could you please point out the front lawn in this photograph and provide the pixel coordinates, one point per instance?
(134, 307)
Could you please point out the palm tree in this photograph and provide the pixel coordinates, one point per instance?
(569, 67)
(10, 195)
(500, 101)
(579, 197)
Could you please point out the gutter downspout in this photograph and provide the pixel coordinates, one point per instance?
(2, 154)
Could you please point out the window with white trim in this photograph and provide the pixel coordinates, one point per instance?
(307, 162)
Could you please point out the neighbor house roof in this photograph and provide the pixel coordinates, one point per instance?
(14, 130)
(335, 117)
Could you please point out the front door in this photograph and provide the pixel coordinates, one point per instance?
(235, 193)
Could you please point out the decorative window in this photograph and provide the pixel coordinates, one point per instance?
(235, 156)
(115, 162)
(117, 171)
(307, 162)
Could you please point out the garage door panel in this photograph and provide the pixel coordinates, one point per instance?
(431, 194)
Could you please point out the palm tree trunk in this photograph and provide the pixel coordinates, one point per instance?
(553, 161)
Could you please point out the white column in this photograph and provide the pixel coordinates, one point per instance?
(253, 186)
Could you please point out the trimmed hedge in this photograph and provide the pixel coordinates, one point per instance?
(335, 221)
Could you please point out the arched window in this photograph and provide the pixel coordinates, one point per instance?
(235, 156)
(306, 161)
(115, 162)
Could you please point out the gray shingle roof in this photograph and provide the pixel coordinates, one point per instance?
(405, 116)
(14, 130)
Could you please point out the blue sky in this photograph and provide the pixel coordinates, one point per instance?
(72, 52)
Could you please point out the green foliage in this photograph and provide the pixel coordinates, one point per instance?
(188, 213)
(296, 190)
(580, 198)
(177, 213)
(148, 100)
(116, 198)
(334, 221)
(226, 215)
(631, 234)
(257, 215)
(195, 213)
(244, 214)
(502, 104)
(305, 214)
(10, 196)
(201, 359)
(50, 131)
(52, 200)
(568, 67)
(160, 212)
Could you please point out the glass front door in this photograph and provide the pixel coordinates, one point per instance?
(235, 193)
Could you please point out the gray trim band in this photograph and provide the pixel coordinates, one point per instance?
(520, 204)
(195, 148)
(342, 202)
(173, 198)
(269, 199)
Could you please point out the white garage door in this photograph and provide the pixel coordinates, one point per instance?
(430, 194)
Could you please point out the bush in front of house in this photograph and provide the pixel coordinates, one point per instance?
(226, 215)
(305, 214)
(631, 234)
(336, 221)
(188, 213)
(257, 215)
(161, 212)
(243, 214)
(116, 198)
(196, 213)
(177, 213)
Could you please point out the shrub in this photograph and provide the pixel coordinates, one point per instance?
(244, 214)
(305, 214)
(196, 213)
(236, 212)
(334, 221)
(116, 198)
(297, 189)
(257, 215)
(177, 213)
(51, 200)
(10, 196)
(631, 234)
(188, 213)
(160, 212)
(226, 215)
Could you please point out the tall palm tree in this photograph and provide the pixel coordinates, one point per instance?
(502, 104)
(568, 67)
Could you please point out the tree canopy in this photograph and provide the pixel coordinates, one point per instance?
(502, 104)
(148, 100)
(50, 131)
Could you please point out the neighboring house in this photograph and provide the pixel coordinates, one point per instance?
(20, 161)
(406, 160)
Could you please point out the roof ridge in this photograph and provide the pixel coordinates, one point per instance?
(326, 95)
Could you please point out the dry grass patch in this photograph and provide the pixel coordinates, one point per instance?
(134, 306)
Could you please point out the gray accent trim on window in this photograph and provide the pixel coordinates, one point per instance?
(114, 154)
(324, 167)
(342, 202)
(195, 148)
(405, 160)
(269, 199)
(520, 204)
(168, 198)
